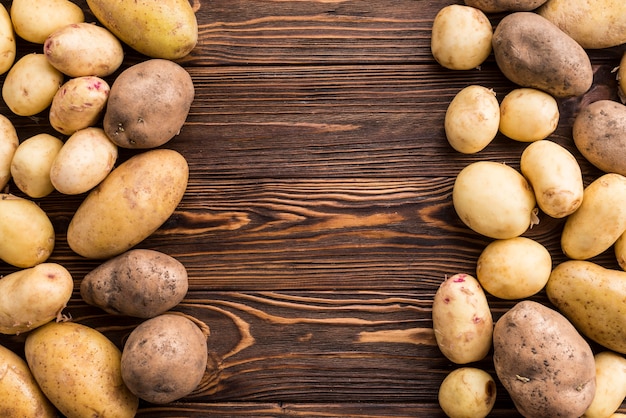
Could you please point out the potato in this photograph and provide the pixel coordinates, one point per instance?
(472, 119)
(78, 369)
(532, 52)
(78, 104)
(494, 200)
(620, 250)
(460, 37)
(528, 115)
(8, 46)
(140, 283)
(30, 85)
(27, 233)
(591, 297)
(148, 104)
(498, 6)
(593, 24)
(20, 394)
(164, 358)
(467, 392)
(462, 320)
(621, 79)
(545, 365)
(132, 202)
(31, 163)
(599, 221)
(514, 268)
(34, 296)
(86, 158)
(84, 49)
(598, 133)
(555, 177)
(165, 29)
(9, 142)
(34, 21)
(610, 385)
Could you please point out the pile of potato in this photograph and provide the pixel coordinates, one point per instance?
(541, 353)
(69, 367)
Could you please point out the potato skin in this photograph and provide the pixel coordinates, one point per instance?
(78, 104)
(141, 283)
(31, 163)
(610, 385)
(528, 115)
(34, 21)
(164, 358)
(545, 365)
(9, 142)
(132, 202)
(467, 392)
(533, 52)
(591, 297)
(498, 6)
(8, 46)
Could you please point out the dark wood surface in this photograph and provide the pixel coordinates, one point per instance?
(318, 224)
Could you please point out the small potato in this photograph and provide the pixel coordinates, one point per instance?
(462, 320)
(20, 394)
(148, 104)
(472, 119)
(621, 79)
(30, 85)
(494, 200)
(78, 369)
(542, 361)
(555, 176)
(610, 385)
(84, 49)
(140, 283)
(27, 233)
(32, 297)
(528, 115)
(86, 158)
(78, 104)
(8, 46)
(532, 52)
(467, 392)
(592, 298)
(164, 358)
(599, 221)
(35, 20)
(461, 37)
(9, 142)
(514, 268)
(32, 160)
(620, 250)
(498, 6)
(598, 133)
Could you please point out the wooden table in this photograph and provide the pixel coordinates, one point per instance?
(318, 224)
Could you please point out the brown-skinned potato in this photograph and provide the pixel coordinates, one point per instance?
(497, 6)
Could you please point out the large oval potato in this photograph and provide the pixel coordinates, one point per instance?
(27, 233)
(610, 385)
(9, 142)
(533, 52)
(542, 361)
(32, 297)
(20, 394)
(141, 283)
(592, 298)
(499, 6)
(78, 104)
(165, 29)
(148, 104)
(35, 20)
(8, 46)
(79, 370)
(31, 163)
(132, 202)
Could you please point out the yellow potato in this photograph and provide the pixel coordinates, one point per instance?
(621, 78)
(600, 219)
(610, 385)
(555, 176)
(494, 200)
(462, 320)
(20, 394)
(9, 142)
(85, 159)
(32, 297)
(460, 37)
(32, 160)
(620, 250)
(30, 85)
(134, 200)
(514, 268)
(472, 119)
(26, 231)
(35, 20)
(78, 369)
(157, 28)
(528, 115)
(467, 392)
(78, 104)
(8, 46)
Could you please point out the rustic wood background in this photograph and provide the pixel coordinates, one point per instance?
(318, 222)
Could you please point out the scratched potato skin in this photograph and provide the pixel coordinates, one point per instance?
(462, 320)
